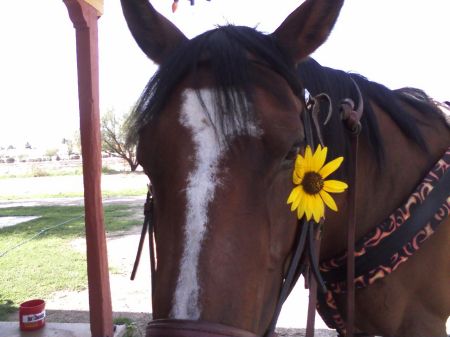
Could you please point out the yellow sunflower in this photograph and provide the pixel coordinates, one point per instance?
(311, 193)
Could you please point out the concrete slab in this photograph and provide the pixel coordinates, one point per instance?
(7, 221)
(11, 329)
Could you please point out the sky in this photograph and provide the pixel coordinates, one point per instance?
(395, 42)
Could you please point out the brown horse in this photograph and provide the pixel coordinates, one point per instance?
(218, 129)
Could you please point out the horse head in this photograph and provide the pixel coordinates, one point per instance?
(218, 130)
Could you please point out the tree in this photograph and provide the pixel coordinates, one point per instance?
(51, 152)
(73, 144)
(114, 132)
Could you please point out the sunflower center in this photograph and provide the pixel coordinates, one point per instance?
(312, 183)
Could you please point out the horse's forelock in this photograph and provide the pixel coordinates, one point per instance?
(225, 52)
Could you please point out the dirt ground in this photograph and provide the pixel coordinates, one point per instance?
(131, 299)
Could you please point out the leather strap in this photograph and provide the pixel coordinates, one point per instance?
(352, 119)
(139, 250)
(393, 240)
(290, 278)
(146, 226)
(307, 248)
(314, 242)
(313, 279)
(351, 228)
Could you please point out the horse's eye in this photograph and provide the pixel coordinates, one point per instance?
(293, 152)
(290, 157)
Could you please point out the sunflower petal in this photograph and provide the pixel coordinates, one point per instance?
(328, 200)
(295, 178)
(319, 158)
(331, 167)
(308, 158)
(317, 151)
(334, 186)
(294, 194)
(318, 209)
(308, 153)
(301, 210)
(299, 162)
(297, 175)
(314, 207)
(308, 206)
(298, 200)
(322, 207)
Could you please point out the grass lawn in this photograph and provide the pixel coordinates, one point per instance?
(36, 257)
(105, 194)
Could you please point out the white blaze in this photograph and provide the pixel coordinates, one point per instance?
(199, 193)
(201, 186)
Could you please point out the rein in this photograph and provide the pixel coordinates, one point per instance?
(146, 226)
(305, 254)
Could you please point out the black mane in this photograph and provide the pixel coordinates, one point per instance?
(339, 85)
(225, 50)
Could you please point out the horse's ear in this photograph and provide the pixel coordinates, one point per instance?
(154, 34)
(305, 29)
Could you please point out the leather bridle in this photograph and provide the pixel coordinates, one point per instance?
(305, 254)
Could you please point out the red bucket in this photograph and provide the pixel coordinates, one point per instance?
(32, 315)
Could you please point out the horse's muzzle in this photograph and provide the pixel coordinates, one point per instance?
(185, 328)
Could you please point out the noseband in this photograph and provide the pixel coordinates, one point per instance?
(305, 254)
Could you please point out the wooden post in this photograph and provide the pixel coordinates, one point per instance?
(84, 18)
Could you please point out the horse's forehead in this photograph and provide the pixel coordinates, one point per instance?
(199, 114)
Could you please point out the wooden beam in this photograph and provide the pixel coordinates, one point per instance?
(97, 4)
(84, 18)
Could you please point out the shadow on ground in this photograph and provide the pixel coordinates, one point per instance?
(140, 320)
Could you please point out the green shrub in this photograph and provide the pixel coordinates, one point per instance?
(130, 326)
